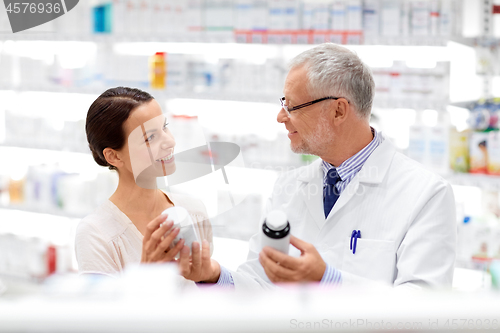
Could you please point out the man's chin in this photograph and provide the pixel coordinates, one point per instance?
(299, 149)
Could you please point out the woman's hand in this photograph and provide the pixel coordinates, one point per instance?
(200, 267)
(156, 247)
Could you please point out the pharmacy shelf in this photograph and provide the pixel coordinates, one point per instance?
(26, 155)
(254, 37)
(483, 181)
(476, 41)
(46, 211)
(29, 155)
(470, 104)
(76, 153)
(258, 97)
(250, 97)
(192, 37)
(464, 104)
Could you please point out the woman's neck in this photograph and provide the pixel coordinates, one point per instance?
(139, 204)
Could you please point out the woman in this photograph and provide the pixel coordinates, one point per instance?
(128, 132)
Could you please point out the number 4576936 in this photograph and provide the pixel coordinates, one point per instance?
(32, 7)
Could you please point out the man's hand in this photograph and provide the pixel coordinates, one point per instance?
(200, 267)
(280, 267)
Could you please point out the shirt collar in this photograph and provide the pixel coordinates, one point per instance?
(353, 164)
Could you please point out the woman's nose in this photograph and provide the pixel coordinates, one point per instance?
(167, 141)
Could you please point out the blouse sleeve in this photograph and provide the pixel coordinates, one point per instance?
(93, 254)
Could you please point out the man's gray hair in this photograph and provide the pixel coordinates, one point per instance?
(333, 70)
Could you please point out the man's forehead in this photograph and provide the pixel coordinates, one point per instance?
(295, 83)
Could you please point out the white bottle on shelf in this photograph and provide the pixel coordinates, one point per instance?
(218, 15)
(118, 19)
(156, 17)
(465, 240)
(390, 18)
(145, 18)
(276, 14)
(307, 14)
(338, 15)
(194, 16)
(292, 12)
(371, 19)
(354, 15)
(130, 16)
(260, 15)
(321, 15)
(179, 22)
(439, 143)
(420, 15)
(166, 17)
(405, 18)
(435, 17)
(243, 14)
(418, 140)
(446, 18)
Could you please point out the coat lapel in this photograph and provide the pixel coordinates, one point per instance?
(312, 193)
(372, 172)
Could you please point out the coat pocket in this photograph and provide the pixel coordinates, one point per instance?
(374, 259)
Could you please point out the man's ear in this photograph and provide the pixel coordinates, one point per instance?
(113, 157)
(341, 110)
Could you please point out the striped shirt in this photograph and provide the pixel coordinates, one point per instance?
(347, 171)
(350, 167)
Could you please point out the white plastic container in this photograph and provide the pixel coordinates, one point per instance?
(338, 15)
(371, 18)
(390, 24)
(182, 220)
(354, 15)
(420, 18)
(276, 231)
(418, 143)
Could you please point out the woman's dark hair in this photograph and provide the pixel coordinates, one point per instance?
(104, 125)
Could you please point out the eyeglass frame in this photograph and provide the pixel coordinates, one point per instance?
(293, 108)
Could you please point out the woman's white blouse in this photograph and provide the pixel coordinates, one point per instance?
(107, 240)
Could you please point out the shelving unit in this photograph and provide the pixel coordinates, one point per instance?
(279, 45)
(483, 181)
(204, 37)
(272, 37)
(158, 94)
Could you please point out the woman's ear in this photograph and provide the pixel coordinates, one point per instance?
(112, 157)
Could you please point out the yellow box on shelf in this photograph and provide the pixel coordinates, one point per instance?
(459, 150)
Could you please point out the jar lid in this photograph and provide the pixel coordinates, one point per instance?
(178, 215)
(276, 220)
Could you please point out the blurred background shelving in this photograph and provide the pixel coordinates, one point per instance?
(433, 61)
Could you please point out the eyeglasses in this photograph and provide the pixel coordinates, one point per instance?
(288, 110)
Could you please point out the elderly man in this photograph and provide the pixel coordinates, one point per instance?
(362, 211)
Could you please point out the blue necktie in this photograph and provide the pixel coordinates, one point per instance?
(330, 193)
